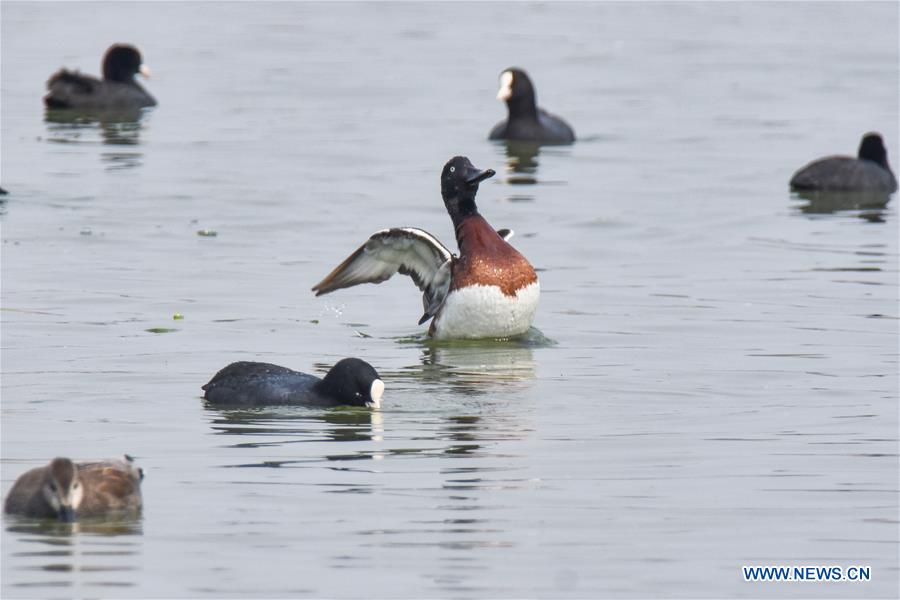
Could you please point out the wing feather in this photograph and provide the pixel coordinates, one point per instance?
(406, 250)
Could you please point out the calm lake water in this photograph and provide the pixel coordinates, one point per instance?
(712, 381)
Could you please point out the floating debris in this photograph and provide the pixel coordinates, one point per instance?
(160, 330)
(207, 233)
(177, 316)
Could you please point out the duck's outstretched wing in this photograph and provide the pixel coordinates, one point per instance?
(406, 250)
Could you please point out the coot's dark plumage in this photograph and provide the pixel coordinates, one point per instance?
(526, 121)
(66, 490)
(351, 382)
(869, 172)
(117, 89)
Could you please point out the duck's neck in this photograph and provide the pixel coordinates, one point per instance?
(461, 209)
(522, 107)
(118, 76)
(875, 152)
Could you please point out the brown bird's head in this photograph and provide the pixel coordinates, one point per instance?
(62, 488)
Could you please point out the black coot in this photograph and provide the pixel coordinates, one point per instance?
(116, 91)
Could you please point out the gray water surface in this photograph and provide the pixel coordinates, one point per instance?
(712, 378)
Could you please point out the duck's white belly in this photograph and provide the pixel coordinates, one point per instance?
(483, 311)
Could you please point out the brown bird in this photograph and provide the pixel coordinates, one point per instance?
(66, 490)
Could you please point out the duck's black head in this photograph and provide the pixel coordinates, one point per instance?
(459, 184)
(517, 91)
(872, 148)
(354, 382)
(122, 62)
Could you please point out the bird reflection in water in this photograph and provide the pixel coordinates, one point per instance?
(120, 128)
(54, 531)
(463, 430)
(521, 162)
(870, 206)
(476, 370)
(281, 426)
(303, 425)
(81, 547)
(477, 367)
